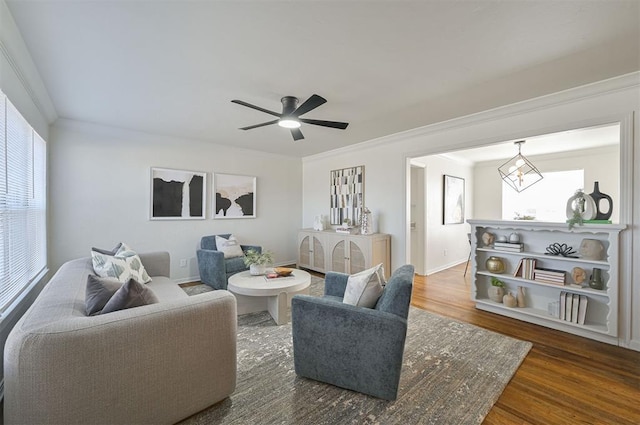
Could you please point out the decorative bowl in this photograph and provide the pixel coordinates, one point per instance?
(283, 271)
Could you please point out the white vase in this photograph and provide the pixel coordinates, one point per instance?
(257, 269)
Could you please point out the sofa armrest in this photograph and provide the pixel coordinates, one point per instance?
(212, 268)
(156, 263)
(335, 284)
(106, 369)
(352, 347)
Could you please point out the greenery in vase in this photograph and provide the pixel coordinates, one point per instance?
(497, 282)
(575, 219)
(254, 257)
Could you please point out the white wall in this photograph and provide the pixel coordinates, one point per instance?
(446, 245)
(599, 164)
(386, 162)
(99, 182)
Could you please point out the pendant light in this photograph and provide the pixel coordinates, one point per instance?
(519, 172)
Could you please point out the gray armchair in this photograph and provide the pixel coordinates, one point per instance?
(214, 268)
(356, 348)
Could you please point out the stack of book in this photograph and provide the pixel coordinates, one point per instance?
(348, 230)
(525, 268)
(508, 246)
(573, 307)
(556, 277)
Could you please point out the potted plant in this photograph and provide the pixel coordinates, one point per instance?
(257, 262)
(496, 291)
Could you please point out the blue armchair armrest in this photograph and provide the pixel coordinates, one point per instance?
(212, 269)
(351, 347)
(335, 284)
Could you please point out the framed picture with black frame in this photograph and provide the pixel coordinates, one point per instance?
(453, 200)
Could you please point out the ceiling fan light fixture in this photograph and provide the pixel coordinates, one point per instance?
(289, 123)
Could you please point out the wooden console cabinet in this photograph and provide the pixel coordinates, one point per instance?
(327, 250)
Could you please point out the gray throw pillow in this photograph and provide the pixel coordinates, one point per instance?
(131, 294)
(364, 288)
(99, 292)
(106, 251)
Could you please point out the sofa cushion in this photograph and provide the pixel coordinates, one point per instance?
(99, 292)
(229, 247)
(131, 294)
(234, 265)
(123, 265)
(364, 288)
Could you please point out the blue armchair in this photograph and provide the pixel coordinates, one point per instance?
(356, 348)
(214, 268)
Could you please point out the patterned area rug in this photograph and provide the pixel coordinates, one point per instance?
(452, 373)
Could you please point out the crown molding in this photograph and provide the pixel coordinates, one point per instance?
(21, 63)
(599, 88)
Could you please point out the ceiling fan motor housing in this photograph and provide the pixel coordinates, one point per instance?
(289, 104)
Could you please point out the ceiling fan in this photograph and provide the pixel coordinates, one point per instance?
(290, 116)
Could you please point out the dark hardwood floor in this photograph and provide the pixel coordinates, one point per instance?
(565, 379)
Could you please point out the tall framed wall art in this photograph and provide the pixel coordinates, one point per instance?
(346, 195)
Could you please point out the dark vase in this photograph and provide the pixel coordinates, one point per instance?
(599, 196)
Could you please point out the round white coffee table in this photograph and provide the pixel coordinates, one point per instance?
(257, 293)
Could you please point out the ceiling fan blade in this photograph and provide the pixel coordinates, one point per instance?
(297, 134)
(332, 124)
(312, 103)
(248, 105)
(259, 125)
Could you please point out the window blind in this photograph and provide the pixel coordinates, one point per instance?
(22, 204)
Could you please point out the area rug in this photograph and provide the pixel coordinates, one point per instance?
(452, 373)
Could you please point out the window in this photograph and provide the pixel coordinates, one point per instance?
(22, 204)
(545, 200)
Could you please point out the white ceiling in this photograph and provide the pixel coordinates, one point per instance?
(553, 143)
(172, 67)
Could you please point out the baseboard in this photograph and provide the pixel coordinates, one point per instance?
(445, 267)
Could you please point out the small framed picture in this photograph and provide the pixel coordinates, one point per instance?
(177, 194)
(235, 196)
(453, 200)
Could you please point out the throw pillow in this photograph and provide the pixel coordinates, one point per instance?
(364, 288)
(99, 292)
(131, 294)
(123, 265)
(230, 247)
(106, 251)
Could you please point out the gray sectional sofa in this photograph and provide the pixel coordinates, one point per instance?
(155, 364)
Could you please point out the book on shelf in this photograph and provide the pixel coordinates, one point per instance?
(563, 299)
(582, 309)
(574, 308)
(568, 306)
(550, 271)
(525, 268)
(551, 282)
(508, 245)
(508, 249)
